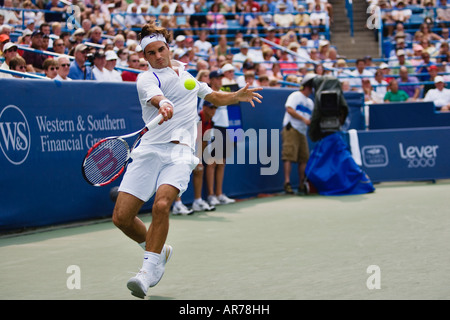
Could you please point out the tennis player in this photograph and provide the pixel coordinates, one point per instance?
(163, 162)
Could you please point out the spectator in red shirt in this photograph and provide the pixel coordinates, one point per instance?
(133, 62)
(272, 35)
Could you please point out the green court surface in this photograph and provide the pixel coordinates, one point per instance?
(392, 244)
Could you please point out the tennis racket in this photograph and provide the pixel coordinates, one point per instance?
(106, 160)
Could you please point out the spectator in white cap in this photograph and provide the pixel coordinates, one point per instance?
(440, 96)
(324, 47)
(283, 18)
(139, 51)
(112, 74)
(9, 52)
(25, 38)
(400, 61)
(180, 42)
(181, 55)
(228, 75)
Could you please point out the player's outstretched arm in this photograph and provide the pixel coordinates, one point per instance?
(245, 94)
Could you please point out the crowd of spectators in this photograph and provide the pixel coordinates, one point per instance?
(267, 43)
(200, 28)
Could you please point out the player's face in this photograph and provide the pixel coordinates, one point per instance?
(157, 54)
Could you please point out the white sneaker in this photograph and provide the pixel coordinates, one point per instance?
(202, 205)
(223, 199)
(166, 253)
(139, 284)
(213, 201)
(181, 209)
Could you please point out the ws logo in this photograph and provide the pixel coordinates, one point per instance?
(15, 135)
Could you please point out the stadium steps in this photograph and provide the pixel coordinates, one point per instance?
(363, 42)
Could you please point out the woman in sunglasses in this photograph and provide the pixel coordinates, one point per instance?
(18, 64)
(50, 68)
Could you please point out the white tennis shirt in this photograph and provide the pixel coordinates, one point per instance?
(183, 125)
(303, 106)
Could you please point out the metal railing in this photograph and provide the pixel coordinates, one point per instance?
(349, 10)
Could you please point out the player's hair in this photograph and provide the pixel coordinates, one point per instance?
(151, 28)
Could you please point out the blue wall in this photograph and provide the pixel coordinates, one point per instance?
(406, 115)
(46, 128)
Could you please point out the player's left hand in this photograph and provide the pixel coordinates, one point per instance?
(247, 94)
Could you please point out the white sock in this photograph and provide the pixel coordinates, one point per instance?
(177, 203)
(151, 259)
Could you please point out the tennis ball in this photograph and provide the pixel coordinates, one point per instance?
(189, 84)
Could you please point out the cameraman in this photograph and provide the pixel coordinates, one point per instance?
(299, 108)
(78, 68)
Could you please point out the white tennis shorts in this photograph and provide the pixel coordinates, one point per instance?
(155, 165)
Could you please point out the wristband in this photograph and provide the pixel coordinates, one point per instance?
(165, 101)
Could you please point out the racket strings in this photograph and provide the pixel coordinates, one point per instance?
(106, 160)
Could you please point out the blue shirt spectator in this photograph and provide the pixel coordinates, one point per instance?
(78, 68)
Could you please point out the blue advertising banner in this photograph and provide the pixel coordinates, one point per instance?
(406, 154)
(46, 127)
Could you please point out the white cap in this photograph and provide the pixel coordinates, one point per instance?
(438, 79)
(307, 78)
(178, 53)
(180, 38)
(79, 31)
(227, 67)
(9, 45)
(27, 32)
(111, 55)
(323, 43)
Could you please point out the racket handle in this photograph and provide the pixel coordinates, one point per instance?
(152, 124)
